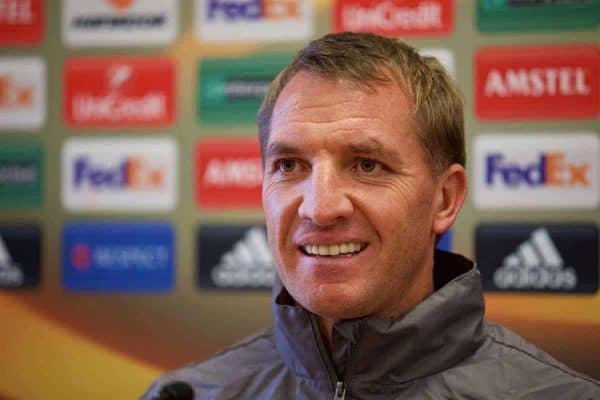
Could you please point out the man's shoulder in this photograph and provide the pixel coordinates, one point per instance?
(232, 367)
(522, 370)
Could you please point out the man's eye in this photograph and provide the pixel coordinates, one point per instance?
(367, 165)
(287, 165)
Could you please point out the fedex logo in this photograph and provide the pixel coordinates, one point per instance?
(134, 172)
(22, 92)
(13, 95)
(541, 171)
(232, 10)
(261, 20)
(550, 169)
(119, 174)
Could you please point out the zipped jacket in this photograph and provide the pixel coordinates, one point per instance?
(442, 349)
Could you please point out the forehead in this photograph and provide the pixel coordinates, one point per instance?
(313, 103)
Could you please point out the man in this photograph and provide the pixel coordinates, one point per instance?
(363, 150)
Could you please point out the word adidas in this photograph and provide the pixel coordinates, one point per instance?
(11, 274)
(249, 263)
(535, 264)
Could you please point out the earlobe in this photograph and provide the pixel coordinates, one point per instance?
(450, 196)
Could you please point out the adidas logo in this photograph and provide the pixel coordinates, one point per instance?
(535, 264)
(248, 264)
(11, 274)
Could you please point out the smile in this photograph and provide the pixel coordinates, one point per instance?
(349, 248)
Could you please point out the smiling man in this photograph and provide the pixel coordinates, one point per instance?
(363, 151)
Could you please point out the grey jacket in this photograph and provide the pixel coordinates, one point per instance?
(442, 349)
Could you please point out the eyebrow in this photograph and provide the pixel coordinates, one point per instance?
(371, 146)
(278, 148)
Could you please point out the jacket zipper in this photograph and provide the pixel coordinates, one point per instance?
(339, 385)
(340, 391)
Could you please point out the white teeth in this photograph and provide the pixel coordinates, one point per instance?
(323, 250)
(332, 249)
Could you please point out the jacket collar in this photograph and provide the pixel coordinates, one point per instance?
(437, 334)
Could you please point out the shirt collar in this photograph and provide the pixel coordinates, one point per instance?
(438, 333)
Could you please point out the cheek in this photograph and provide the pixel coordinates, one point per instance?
(280, 209)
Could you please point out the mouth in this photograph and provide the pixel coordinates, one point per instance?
(347, 249)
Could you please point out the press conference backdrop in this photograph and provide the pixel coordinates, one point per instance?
(131, 234)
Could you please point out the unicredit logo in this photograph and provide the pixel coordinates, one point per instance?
(537, 82)
(16, 12)
(114, 106)
(234, 10)
(549, 169)
(132, 172)
(393, 17)
(130, 92)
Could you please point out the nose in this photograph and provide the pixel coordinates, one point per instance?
(324, 197)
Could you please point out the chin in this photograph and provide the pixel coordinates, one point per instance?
(334, 303)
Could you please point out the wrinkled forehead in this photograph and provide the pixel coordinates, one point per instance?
(311, 98)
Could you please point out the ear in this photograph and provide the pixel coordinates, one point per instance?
(451, 191)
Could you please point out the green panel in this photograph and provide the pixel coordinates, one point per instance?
(537, 15)
(21, 174)
(230, 90)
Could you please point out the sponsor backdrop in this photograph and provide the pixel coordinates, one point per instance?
(131, 234)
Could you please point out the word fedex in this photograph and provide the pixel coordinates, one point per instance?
(532, 171)
(261, 20)
(22, 93)
(119, 174)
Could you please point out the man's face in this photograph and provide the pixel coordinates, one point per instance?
(348, 198)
